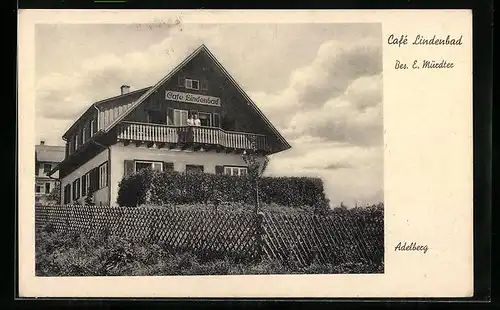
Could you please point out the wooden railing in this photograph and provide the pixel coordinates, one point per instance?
(157, 133)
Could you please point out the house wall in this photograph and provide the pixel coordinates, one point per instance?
(111, 110)
(41, 181)
(180, 158)
(40, 173)
(102, 194)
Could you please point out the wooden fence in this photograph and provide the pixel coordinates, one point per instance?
(294, 239)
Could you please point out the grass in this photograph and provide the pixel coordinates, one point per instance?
(71, 254)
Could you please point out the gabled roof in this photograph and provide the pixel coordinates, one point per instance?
(49, 153)
(132, 95)
(151, 90)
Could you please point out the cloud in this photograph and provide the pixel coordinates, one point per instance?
(335, 66)
(337, 97)
(336, 166)
(351, 174)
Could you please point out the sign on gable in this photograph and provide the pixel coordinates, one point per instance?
(192, 98)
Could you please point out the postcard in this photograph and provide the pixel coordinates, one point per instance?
(203, 153)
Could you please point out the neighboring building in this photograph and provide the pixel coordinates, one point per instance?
(148, 128)
(46, 158)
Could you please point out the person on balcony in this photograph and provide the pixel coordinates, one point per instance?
(189, 133)
(197, 121)
(190, 121)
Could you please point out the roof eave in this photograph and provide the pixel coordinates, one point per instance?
(73, 126)
(245, 95)
(66, 159)
(153, 88)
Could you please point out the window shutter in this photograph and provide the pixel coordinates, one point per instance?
(94, 179)
(82, 136)
(168, 166)
(67, 194)
(181, 81)
(170, 116)
(84, 186)
(204, 85)
(89, 131)
(129, 167)
(216, 120)
(219, 169)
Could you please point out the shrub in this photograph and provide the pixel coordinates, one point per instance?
(167, 188)
(132, 189)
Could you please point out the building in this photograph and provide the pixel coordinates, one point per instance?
(46, 158)
(148, 128)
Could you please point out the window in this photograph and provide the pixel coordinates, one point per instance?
(85, 184)
(76, 142)
(192, 84)
(237, 171)
(157, 117)
(47, 168)
(93, 127)
(38, 189)
(180, 117)
(194, 169)
(103, 175)
(47, 188)
(139, 165)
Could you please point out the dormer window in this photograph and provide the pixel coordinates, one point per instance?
(192, 84)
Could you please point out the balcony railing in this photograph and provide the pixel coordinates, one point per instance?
(157, 133)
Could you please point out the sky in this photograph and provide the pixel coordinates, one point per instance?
(319, 84)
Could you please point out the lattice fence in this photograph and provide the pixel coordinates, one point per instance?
(301, 239)
(297, 239)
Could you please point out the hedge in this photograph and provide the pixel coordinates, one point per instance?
(170, 187)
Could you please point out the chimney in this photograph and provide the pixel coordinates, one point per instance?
(125, 89)
(42, 142)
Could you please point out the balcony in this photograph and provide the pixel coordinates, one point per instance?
(189, 135)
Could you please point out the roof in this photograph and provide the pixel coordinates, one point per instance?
(133, 95)
(151, 90)
(49, 153)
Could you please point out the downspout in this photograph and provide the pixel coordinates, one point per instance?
(104, 147)
(109, 168)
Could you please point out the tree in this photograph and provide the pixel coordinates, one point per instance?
(55, 194)
(255, 168)
(89, 198)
